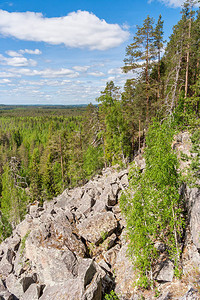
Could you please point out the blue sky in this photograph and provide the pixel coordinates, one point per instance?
(64, 52)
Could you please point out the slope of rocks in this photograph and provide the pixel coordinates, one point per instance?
(67, 248)
(75, 247)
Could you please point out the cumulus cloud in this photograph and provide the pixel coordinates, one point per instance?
(13, 53)
(96, 74)
(46, 82)
(81, 68)
(29, 51)
(8, 75)
(79, 29)
(49, 73)
(171, 3)
(20, 52)
(17, 61)
(5, 80)
(115, 71)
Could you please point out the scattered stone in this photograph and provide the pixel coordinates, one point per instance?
(192, 294)
(47, 256)
(69, 290)
(124, 273)
(33, 210)
(109, 242)
(94, 228)
(14, 286)
(165, 296)
(161, 247)
(7, 296)
(111, 255)
(124, 181)
(195, 216)
(32, 293)
(104, 265)
(166, 272)
(5, 267)
(140, 162)
(27, 281)
(115, 189)
(86, 204)
(86, 271)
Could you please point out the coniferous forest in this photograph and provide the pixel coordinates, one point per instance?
(44, 150)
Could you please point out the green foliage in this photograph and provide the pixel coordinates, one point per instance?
(111, 296)
(14, 199)
(23, 243)
(93, 160)
(186, 114)
(152, 205)
(35, 176)
(5, 227)
(114, 132)
(104, 235)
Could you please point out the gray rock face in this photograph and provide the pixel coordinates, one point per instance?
(14, 286)
(124, 273)
(97, 227)
(75, 247)
(192, 294)
(5, 267)
(166, 272)
(48, 255)
(33, 292)
(194, 202)
(69, 290)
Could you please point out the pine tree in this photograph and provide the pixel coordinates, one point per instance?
(114, 126)
(133, 109)
(158, 42)
(140, 54)
(35, 176)
(14, 199)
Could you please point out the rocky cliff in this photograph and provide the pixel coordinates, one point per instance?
(75, 247)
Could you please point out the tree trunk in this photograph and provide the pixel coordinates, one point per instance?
(147, 80)
(187, 62)
(158, 92)
(178, 67)
(61, 160)
(139, 136)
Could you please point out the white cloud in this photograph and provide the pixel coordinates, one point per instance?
(81, 68)
(96, 74)
(20, 52)
(13, 53)
(78, 29)
(115, 71)
(29, 51)
(8, 75)
(56, 73)
(5, 80)
(172, 3)
(17, 61)
(49, 73)
(45, 82)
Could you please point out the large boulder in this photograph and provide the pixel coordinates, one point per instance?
(69, 290)
(97, 227)
(124, 273)
(5, 267)
(194, 206)
(166, 272)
